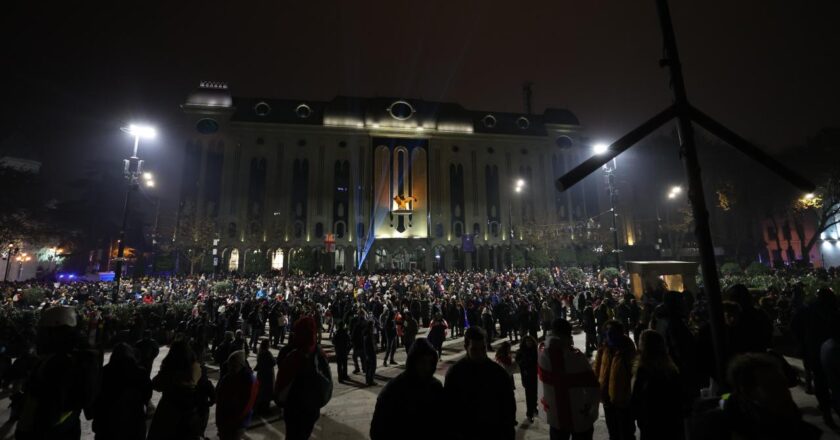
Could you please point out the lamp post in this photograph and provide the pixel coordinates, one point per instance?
(21, 259)
(11, 250)
(517, 189)
(133, 171)
(599, 149)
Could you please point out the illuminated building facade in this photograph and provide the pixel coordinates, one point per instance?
(394, 183)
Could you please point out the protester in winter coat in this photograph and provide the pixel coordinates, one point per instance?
(656, 391)
(63, 382)
(413, 395)
(369, 347)
(759, 406)
(830, 362)
(526, 359)
(478, 390)
(410, 332)
(569, 388)
(341, 343)
(236, 396)
(177, 414)
(614, 368)
(505, 359)
(815, 324)
(299, 375)
(437, 333)
(120, 411)
(265, 375)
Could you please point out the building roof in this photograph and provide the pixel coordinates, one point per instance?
(378, 112)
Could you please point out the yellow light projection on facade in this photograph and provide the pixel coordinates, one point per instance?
(400, 188)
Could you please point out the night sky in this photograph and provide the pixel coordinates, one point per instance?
(74, 74)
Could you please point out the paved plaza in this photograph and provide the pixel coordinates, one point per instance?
(348, 415)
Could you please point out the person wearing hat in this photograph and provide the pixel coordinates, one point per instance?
(63, 383)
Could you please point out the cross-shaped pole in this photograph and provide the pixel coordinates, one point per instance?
(686, 115)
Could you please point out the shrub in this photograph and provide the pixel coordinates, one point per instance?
(755, 268)
(541, 276)
(609, 274)
(729, 269)
(33, 296)
(223, 287)
(575, 274)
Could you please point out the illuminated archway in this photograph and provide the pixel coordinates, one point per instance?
(233, 262)
(277, 260)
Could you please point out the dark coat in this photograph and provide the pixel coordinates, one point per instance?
(653, 401)
(120, 411)
(479, 391)
(403, 402)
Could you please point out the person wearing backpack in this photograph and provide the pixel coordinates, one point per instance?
(304, 381)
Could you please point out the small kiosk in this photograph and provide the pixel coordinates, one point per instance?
(678, 276)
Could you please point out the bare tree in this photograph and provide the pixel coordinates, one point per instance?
(823, 206)
(194, 236)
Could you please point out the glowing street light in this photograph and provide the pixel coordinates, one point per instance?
(520, 183)
(810, 196)
(133, 173)
(675, 191)
(600, 148)
(143, 131)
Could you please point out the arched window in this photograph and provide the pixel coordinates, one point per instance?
(476, 229)
(319, 230)
(339, 230)
(277, 260)
(233, 262)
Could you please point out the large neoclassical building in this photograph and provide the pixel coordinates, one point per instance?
(375, 182)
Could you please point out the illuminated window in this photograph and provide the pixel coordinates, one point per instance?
(277, 260)
(233, 262)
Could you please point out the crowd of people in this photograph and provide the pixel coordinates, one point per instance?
(648, 362)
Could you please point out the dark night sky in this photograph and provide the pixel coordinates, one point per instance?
(74, 74)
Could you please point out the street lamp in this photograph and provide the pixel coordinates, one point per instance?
(599, 149)
(517, 189)
(24, 257)
(133, 171)
(675, 191)
(11, 250)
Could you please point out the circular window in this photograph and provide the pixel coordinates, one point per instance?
(401, 110)
(262, 109)
(523, 122)
(303, 111)
(489, 121)
(207, 126)
(563, 142)
(342, 144)
(455, 148)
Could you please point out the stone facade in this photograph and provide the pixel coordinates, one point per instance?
(396, 182)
